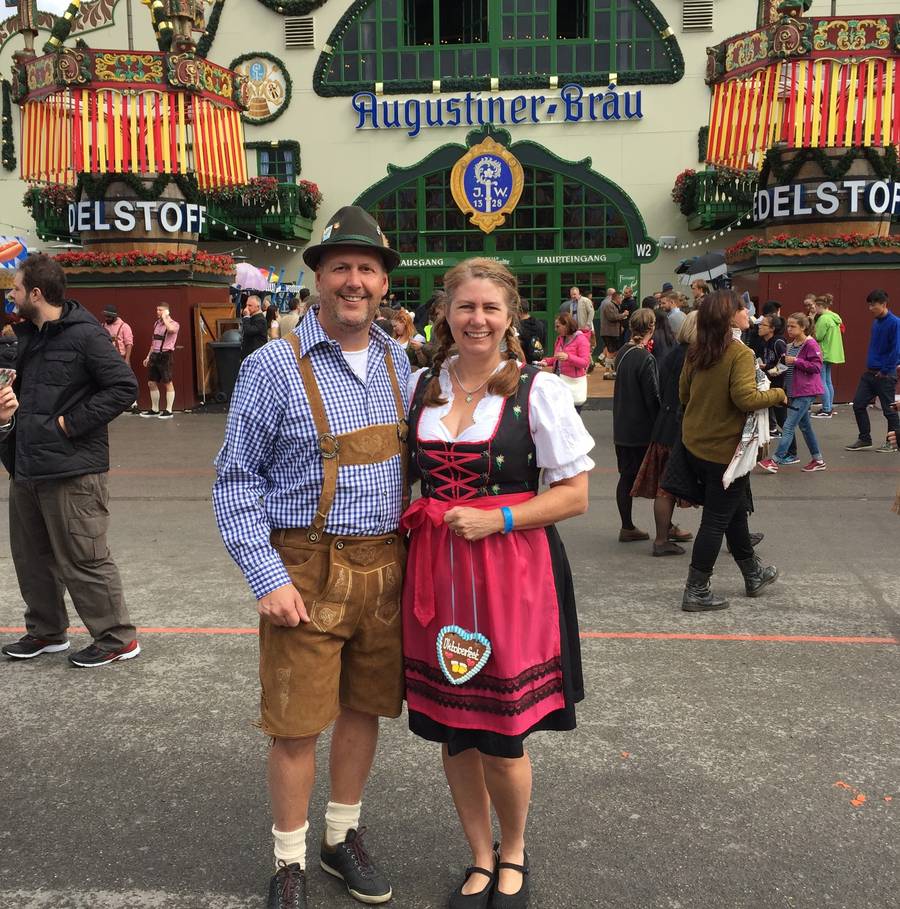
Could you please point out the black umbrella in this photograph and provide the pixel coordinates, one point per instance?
(708, 267)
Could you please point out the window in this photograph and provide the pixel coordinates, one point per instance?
(572, 19)
(555, 214)
(462, 22)
(408, 44)
(277, 162)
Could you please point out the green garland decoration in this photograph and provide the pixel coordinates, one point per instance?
(885, 167)
(288, 86)
(9, 142)
(162, 27)
(483, 83)
(293, 7)
(62, 26)
(209, 33)
(702, 143)
(95, 188)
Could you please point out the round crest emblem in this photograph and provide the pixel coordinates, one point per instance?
(268, 86)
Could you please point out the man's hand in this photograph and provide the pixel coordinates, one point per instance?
(9, 404)
(147, 360)
(283, 606)
(62, 425)
(474, 523)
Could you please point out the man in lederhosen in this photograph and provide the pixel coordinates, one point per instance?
(308, 498)
(159, 364)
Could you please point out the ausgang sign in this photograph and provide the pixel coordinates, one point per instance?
(795, 200)
(134, 215)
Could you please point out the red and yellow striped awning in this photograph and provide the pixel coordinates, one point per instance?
(148, 132)
(818, 103)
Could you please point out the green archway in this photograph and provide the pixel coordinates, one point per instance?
(572, 226)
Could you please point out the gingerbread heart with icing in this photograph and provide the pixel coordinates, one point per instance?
(461, 654)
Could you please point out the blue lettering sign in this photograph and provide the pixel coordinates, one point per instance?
(474, 109)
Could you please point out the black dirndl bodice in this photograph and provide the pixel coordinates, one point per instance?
(504, 464)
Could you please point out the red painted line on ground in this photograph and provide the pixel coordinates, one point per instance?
(587, 635)
(752, 638)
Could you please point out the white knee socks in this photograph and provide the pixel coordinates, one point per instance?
(338, 820)
(290, 847)
(154, 400)
(170, 398)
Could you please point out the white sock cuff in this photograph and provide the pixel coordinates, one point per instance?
(339, 819)
(290, 846)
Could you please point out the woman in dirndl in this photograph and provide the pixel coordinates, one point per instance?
(490, 630)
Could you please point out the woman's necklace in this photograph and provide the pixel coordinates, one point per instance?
(469, 394)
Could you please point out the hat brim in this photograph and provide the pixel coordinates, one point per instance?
(312, 255)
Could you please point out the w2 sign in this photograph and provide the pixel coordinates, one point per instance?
(645, 250)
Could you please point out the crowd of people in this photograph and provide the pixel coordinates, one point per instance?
(461, 602)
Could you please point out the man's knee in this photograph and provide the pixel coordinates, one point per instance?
(295, 749)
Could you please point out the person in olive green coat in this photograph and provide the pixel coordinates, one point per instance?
(829, 335)
(718, 390)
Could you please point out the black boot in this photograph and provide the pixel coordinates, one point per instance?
(756, 577)
(697, 595)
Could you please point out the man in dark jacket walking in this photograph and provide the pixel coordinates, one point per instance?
(70, 383)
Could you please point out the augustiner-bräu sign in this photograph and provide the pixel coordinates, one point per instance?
(796, 200)
(127, 215)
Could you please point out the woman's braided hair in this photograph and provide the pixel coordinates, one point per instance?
(506, 380)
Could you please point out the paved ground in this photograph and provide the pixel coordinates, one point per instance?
(747, 758)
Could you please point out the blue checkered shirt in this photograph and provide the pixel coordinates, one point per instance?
(269, 471)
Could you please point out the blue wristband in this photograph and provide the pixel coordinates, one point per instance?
(507, 519)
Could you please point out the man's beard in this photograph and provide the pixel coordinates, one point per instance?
(354, 322)
(27, 310)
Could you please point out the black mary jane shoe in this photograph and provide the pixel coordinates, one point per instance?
(517, 900)
(481, 899)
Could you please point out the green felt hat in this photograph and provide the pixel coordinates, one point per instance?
(352, 226)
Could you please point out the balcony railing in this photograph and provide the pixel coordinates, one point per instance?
(51, 224)
(282, 219)
(713, 199)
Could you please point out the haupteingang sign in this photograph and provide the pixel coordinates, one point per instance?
(852, 196)
(572, 104)
(127, 215)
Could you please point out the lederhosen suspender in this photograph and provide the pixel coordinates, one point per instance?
(368, 445)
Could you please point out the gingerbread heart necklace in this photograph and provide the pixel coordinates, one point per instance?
(461, 653)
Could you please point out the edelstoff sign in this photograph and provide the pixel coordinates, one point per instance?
(571, 105)
(795, 200)
(134, 215)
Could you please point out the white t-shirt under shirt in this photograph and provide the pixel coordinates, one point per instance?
(358, 361)
(560, 439)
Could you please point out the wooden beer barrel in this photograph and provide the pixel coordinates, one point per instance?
(842, 221)
(155, 240)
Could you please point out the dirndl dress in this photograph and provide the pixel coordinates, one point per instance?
(515, 589)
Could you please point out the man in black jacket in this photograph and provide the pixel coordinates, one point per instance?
(70, 383)
(253, 327)
(532, 333)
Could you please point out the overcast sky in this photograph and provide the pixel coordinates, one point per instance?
(48, 6)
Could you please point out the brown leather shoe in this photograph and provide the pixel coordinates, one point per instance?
(633, 536)
(677, 535)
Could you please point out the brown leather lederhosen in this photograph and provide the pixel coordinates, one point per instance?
(350, 653)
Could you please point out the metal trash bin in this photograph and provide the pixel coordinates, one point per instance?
(228, 362)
